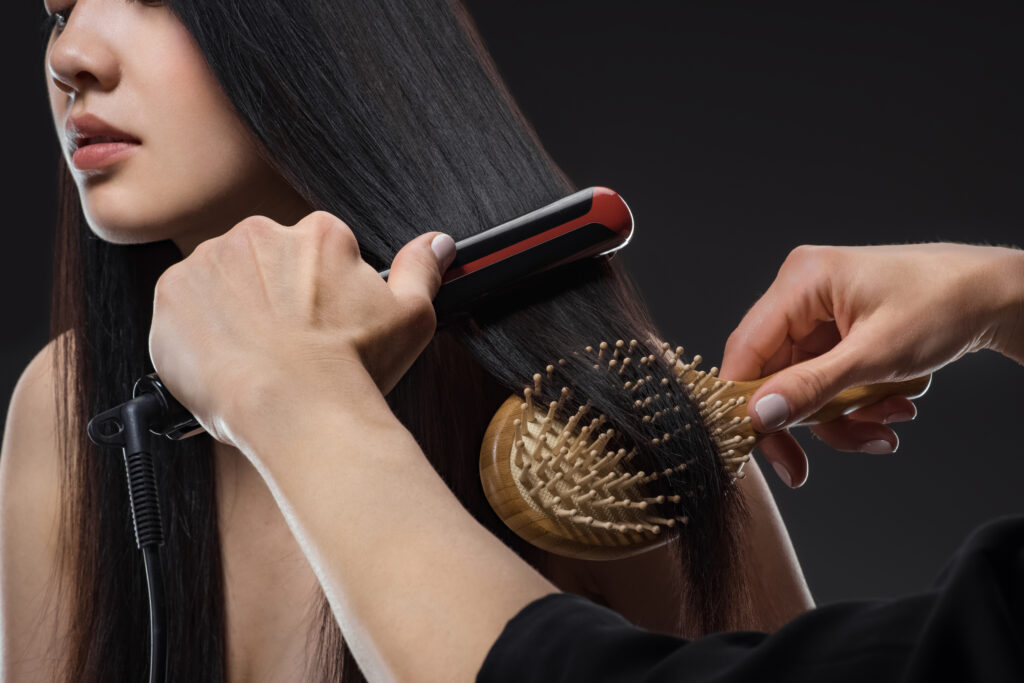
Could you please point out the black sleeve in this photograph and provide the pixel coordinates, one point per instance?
(970, 627)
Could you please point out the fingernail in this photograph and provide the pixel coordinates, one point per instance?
(783, 474)
(900, 417)
(773, 411)
(443, 247)
(878, 447)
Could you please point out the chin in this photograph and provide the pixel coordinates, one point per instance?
(126, 227)
(120, 215)
(129, 235)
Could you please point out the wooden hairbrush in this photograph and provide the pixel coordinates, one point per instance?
(566, 481)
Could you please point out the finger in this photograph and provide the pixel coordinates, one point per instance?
(792, 308)
(819, 341)
(855, 436)
(416, 271)
(823, 337)
(782, 358)
(786, 456)
(892, 409)
(755, 341)
(797, 391)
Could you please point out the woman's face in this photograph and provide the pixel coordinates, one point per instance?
(194, 172)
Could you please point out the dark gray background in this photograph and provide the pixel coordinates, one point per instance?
(735, 133)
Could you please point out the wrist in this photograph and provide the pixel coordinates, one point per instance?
(277, 412)
(1008, 334)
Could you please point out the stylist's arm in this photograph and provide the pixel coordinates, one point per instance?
(837, 317)
(282, 342)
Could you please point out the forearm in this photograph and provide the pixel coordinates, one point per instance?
(421, 590)
(1009, 335)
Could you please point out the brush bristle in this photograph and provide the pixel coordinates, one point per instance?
(562, 465)
(575, 485)
(720, 411)
(567, 470)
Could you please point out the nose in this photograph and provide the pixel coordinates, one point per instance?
(81, 55)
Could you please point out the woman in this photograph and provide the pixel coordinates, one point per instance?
(390, 116)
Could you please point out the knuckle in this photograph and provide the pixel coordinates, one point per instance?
(256, 225)
(422, 317)
(246, 232)
(810, 385)
(318, 221)
(803, 253)
(319, 216)
(165, 283)
(741, 349)
(732, 342)
(201, 250)
(231, 245)
(809, 261)
(326, 226)
(324, 220)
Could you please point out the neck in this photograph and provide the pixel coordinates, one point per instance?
(281, 204)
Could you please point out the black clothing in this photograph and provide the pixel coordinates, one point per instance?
(969, 627)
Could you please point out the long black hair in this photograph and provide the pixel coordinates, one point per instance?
(390, 115)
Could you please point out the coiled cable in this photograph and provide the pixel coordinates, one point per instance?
(127, 426)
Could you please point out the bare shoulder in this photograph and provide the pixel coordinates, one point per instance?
(29, 523)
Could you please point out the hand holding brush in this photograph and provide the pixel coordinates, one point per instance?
(836, 317)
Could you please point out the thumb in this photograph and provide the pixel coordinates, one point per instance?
(415, 275)
(793, 393)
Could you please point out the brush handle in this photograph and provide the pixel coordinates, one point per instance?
(855, 398)
(850, 399)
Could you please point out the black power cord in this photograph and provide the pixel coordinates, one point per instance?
(128, 426)
(131, 426)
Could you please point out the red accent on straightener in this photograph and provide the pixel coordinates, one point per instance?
(606, 208)
(609, 209)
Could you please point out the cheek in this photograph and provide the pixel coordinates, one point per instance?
(196, 171)
(197, 147)
(198, 138)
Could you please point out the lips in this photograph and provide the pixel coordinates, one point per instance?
(94, 143)
(102, 138)
(88, 129)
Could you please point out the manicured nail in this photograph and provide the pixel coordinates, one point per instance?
(878, 447)
(900, 417)
(773, 411)
(783, 474)
(443, 247)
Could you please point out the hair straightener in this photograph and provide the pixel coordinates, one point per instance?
(592, 222)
